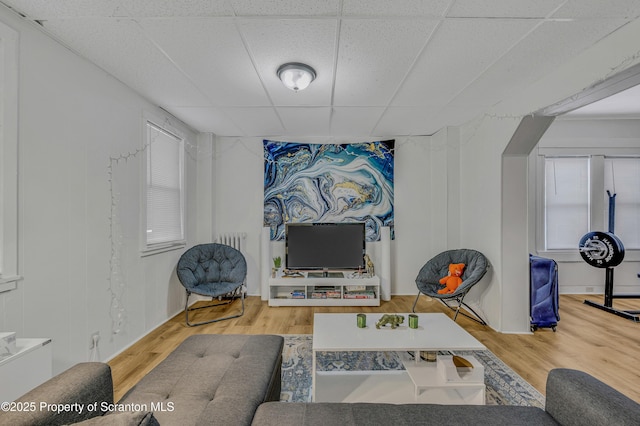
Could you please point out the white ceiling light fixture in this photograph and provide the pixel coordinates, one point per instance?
(296, 76)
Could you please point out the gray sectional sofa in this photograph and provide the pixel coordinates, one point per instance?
(235, 380)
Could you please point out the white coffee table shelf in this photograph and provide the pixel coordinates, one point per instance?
(428, 376)
(420, 382)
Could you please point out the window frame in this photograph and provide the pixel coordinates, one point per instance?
(162, 125)
(598, 220)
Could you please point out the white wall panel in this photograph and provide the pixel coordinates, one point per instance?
(73, 119)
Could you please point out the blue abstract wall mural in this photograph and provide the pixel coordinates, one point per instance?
(328, 183)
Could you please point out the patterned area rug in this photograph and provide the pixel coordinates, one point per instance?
(504, 386)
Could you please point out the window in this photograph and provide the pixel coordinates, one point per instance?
(622, 178)
(576, 200)
(164, 184)
(566, 201)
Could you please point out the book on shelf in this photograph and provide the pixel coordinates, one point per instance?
(324, 287)
(355, 287)
(298, 294)
(360, 295)
(329, 294)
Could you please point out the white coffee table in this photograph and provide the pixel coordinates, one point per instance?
(420, 382)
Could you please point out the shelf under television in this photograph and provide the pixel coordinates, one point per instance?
(349, 290)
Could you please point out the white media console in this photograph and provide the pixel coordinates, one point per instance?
(338, 289)
(279, 291)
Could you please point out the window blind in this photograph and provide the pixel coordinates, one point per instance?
(164, 185)
(566, 201)
(622, 177)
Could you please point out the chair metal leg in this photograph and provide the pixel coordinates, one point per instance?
(460, 299)
(187, 309)
(461, 303)
(415, 303)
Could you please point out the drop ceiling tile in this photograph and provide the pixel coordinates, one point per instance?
(374, 57)
(628, 9)
(274, 42)
(402, 121)
(545, 49)
(431, 8)
(256, 121)
(307, 121)
(459, 51)
(406, 121)
(356, 121)
(48, 9)
(285, 7)
(118, 47)
(503, 8)
(211, 52)
(207, 120)
(177, 8)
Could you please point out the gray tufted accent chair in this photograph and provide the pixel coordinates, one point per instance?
(476, 265)
(213, 270)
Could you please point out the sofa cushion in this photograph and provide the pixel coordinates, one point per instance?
(362, 414)
(84, 384)
(212, 379)
(571, 391)
(134, 418)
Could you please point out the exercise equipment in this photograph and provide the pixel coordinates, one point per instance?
(605, 250)
(601, 249)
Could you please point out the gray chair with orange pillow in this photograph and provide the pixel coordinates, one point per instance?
(476, 265)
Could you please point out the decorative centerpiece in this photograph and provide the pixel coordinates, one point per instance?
(277, 263)
(369, 268)
(388, 319)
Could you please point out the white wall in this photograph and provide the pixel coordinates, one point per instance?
(481, 146)
(73, 117)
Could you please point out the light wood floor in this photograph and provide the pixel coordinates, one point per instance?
(588, 339)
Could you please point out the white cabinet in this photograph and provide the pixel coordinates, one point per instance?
(30, 366)
(350, 289)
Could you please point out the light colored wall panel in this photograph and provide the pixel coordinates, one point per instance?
(71, 124)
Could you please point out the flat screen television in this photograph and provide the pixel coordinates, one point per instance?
(325, 246)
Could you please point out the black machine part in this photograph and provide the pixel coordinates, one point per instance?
(601, 249)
